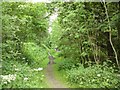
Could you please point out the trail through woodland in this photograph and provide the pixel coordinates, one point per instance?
(53, 82)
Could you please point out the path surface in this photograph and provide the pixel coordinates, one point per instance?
(53, 83)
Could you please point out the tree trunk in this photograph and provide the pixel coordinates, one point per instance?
(118, 28)
(109, 47)
(110, 36)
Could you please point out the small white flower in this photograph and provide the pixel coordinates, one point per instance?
(39, 69)
(8, 78)
(23, 58)
(81, 82)
(14, 65)
(107, 79)
(5, 82)
(98, 75)
(25, 79)
(16, 69)
(93, 80)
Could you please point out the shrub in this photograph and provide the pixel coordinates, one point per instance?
(66, 64)
(21, 75)
(34, 53)
(93, 77)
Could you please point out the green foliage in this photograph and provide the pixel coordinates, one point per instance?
(81, 31)
(25, 18)
(35, 54)
(20, 75)
(65, 64)
(22, 22)
(56, 33)
(96, 76)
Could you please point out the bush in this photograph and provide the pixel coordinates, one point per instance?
(35, 54)
(93, 77)
(66, 64)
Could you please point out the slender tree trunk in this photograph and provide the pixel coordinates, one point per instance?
(118, 28)
(109, 47)
(110, 38)
(118, 43)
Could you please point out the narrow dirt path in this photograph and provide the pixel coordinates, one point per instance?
(53, 83)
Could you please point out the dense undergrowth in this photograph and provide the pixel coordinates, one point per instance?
(24, 27)
(21, 74)
(35, 54)
(94, 76)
